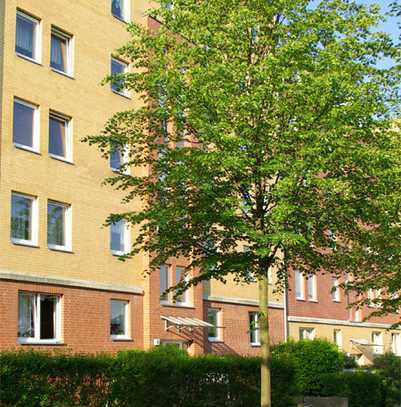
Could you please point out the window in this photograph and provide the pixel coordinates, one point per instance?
(164, 282)
(118, 67)
(24, 219)
(27, 42)
(214, 317)
(38, 318)
(335, 292)
(119, 319)
(396, 344)
(179, 276)
(25, 125)
(338, 337)
(306, 333)
(58, 226)
(299, 285)
(377, 341)
(118, 157)
(357, 315)
(254, 333)
(373, 296)
(311, 282)
(119, 238)
(120, 9)
(60, 143)
(61, 58)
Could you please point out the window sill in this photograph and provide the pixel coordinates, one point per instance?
(118, 253)
(56, 248)
(312, 300)
(43, 342)
(27, 148)
(215, 340)
(120, 19)
(36, 62)
(174, 305)
(337, 301)
(121, 338)
(67, 75)
(124, 95)
(255, 345)
(300, 299)
(25, 243)
(59, 158)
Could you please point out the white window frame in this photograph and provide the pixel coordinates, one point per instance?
(218, 337)
(69, 50)
(126, 335)
(37, 321)
(358, 315)
(310, 333)
(396, 343)
(312, 296)
(68, 136)
(37, 58)
(126, 15)
(167, 268)
(377, 348)
(124, 160)
(185, 294)
(338, 338)
(36, 126)
(124, 92)
(335, 293)
(67, 227)
(301, 277)
(254, 319)
(126, 240)
(34, 221)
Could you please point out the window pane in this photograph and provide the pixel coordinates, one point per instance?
(117, 67)
(115, 158)
(179, 275)
(23, 124)
(117, 8)
(254, 327)
(311, 287)
(21, 217)
(163, 282)
(25, 36)
(58, 57)
(55, 224)
(212, 319)
(117, 317)
(26, 315)
(48, 317)
(298, 285)
(117, 236)
(57, 136)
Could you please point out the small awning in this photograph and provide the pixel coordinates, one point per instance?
(362, 348)
(184, 323)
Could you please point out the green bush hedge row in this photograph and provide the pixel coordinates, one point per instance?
(162, 377)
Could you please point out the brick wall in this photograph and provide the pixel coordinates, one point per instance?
(85, 316)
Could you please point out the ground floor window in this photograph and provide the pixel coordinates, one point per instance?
(254, 332)
(307, 333)
(377, 341)
(119, 323)
(338, 337)
(38, 317)
(214, 318)
(396, 344)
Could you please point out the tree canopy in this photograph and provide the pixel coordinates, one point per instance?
(268, 130)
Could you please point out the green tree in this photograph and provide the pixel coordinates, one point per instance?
(265, 125)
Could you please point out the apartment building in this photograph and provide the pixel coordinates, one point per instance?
(62, 285)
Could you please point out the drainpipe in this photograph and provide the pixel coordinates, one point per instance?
(286, 330)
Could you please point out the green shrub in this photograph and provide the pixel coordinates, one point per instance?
(312, 360)
(388, 368)
(159, 378)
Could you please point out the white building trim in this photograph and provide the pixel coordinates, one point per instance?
(241, 301)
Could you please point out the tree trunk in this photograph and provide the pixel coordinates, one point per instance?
(265, 374)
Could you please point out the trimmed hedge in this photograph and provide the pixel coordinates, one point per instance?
(312, 360)
(159, 378)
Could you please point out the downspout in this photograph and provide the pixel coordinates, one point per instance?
(286, 329)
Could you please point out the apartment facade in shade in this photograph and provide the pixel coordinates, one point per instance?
(62, 285)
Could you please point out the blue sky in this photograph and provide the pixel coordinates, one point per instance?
(391, 25)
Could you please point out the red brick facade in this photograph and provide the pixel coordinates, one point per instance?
(85, 318)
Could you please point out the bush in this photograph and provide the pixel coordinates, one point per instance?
(312, 361)
(161, 377)
(388, 368)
